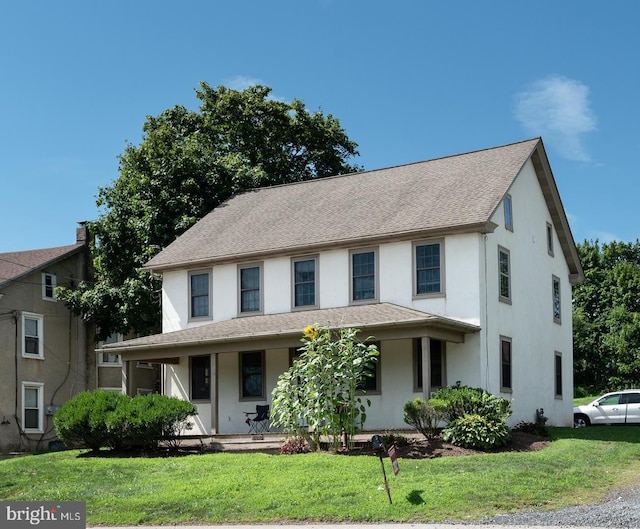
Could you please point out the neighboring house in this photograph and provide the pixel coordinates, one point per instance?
(460, 267)
(48, 354)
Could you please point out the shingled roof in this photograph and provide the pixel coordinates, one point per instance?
(453, 194)
(224, 336)
(16, 265)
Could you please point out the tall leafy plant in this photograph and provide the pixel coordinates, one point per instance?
(320, 396)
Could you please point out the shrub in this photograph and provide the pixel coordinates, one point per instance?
(295, 445)
(457, 401)
(82, 420)
(106, 419)
(423, 417)
(476, 431)
(144, 420)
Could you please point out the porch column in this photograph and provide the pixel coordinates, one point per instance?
(426, 366)
(214, 392)
(125, 377)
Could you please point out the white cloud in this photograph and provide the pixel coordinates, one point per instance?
(558, 109)
(240, 82)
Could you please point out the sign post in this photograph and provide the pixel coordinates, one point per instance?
(377, 444)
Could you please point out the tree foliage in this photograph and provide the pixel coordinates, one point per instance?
(186, 165)
(321, 391)
(606, 317)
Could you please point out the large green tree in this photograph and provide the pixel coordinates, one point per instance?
(187, 163)
(606, 317)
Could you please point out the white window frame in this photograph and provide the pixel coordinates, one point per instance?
(246, 266)
(113, 359)
(376, 272)
(52, 286)
(208, 316)
(508, 212)
(39, 319)
(556, 299)
(39, 387)
(414, 251)
(294, 261)
(504, 299)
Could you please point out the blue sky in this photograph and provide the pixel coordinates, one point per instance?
(408, 80)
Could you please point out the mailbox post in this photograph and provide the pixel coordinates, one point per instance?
(378, 446)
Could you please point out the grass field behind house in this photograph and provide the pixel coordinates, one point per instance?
(579, 467)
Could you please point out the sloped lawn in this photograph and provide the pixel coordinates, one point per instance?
(579, 466)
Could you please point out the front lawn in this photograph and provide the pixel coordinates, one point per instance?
(580, 466)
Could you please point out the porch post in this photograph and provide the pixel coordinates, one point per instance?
(214, 393)
(426, 366)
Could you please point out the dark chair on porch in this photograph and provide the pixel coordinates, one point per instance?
(258, 420)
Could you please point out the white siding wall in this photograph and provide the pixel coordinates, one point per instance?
(529, 319)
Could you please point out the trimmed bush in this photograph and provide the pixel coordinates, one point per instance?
(106, 419)
(423, 417)
(82, 420)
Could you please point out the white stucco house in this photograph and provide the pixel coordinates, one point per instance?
(461, 268)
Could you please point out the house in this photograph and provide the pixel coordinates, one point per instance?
(461, 268)
(48, 353)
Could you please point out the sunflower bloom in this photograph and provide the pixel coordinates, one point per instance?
(310, 332)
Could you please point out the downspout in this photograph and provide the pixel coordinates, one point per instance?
(486, 315)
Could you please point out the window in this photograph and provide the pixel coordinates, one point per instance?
(550, 239)
(304, 282)
(110, 359)
(144, 365)
(558, 373)
(32, 335)
(508, 213)
(436, 365)
(363, 275)
(201, 377)
(32, 407)
(504, 274)
(250, 292)
(505, 364)
(428, 268)
(199, 293)
(252, 375)
(48, 286)
(144, 391)
(557, 308)
(371, 383)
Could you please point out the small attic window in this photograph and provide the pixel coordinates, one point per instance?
(508, 213)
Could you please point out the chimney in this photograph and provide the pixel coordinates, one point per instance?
(82, 233)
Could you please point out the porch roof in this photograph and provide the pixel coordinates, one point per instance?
(379, 320)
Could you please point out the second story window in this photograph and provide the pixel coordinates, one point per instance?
(557, 308)
(48, 286)
(508, 213)
(199, 289)
(363, 275)
(504, 275)
(304, 282)
(250, 291)
(32, 335)
(428, 269)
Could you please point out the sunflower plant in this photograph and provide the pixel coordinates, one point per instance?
(321, 395)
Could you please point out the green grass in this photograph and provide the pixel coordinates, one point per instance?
(579, 467)
(585, 400)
